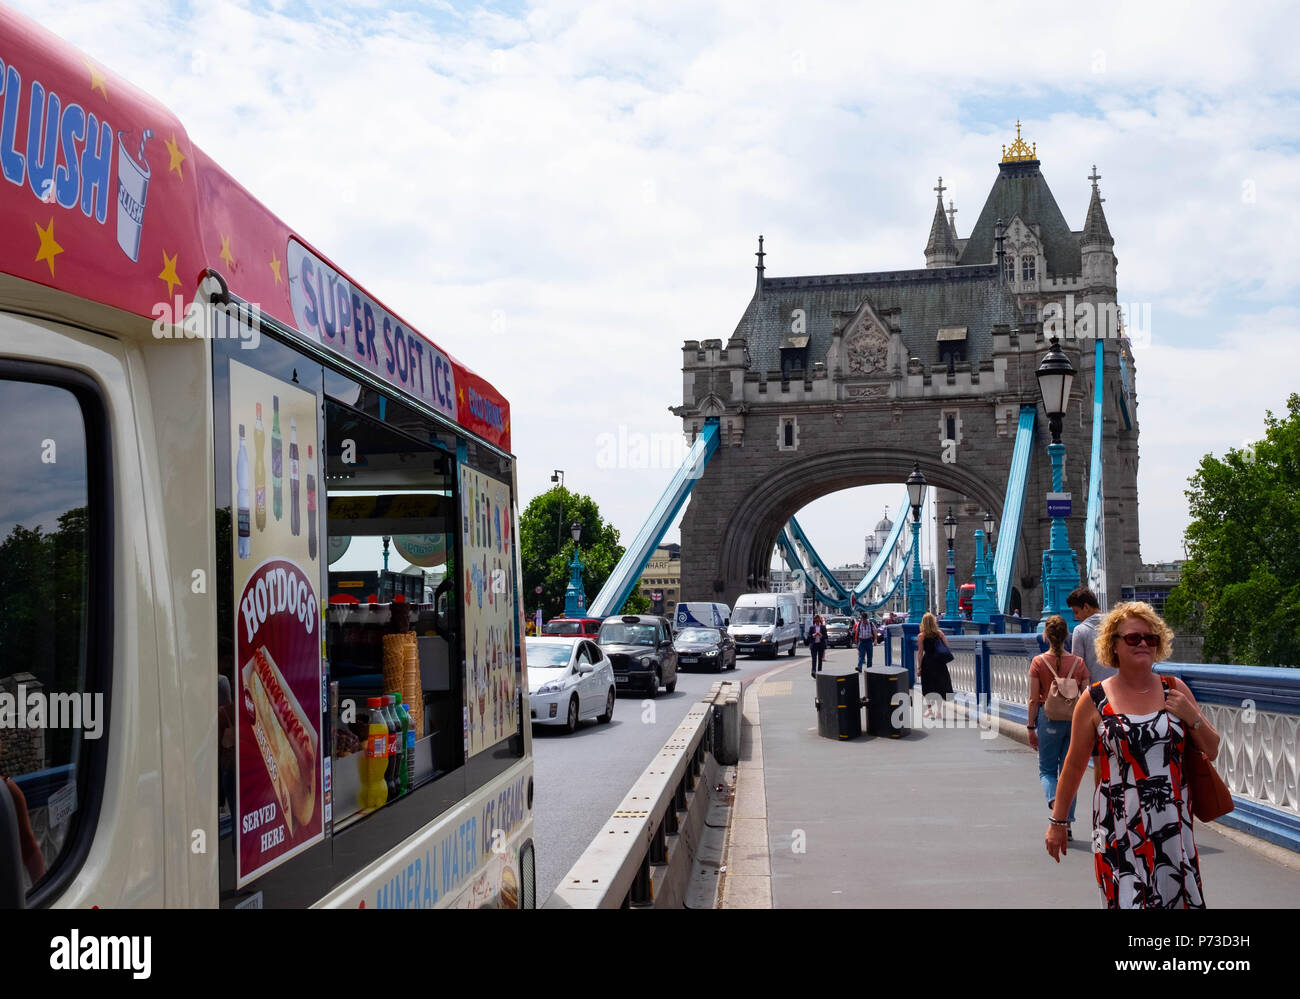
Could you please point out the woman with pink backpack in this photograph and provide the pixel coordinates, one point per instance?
(1056, 681)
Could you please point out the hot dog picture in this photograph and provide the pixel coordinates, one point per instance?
(285, 737)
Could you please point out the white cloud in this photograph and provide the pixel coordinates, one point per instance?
(595, 176)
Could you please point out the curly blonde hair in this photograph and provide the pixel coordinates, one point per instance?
(929, 627)
(1108, 633)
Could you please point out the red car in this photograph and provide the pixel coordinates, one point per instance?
(586, 627)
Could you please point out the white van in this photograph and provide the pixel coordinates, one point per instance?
(701, 615)
(763, 623)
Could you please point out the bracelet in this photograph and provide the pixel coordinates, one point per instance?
(1031, 728)
(1060, 823)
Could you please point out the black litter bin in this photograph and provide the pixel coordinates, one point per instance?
(889, 703)
(839, 706)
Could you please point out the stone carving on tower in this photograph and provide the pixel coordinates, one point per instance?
(866, 348)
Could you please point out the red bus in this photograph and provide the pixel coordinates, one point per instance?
(208, 424)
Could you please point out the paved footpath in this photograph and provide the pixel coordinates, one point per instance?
(943, 818)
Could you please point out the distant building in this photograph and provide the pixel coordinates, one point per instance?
(663, 575)
(1152, 584)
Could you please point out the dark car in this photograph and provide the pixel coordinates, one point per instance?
(839, 631)
(705, 648)
(640, 648)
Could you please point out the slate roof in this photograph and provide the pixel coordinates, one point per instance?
(973, 297)
(1021, 190)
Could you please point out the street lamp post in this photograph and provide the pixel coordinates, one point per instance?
(916, 585)
(557, 475)
(575, 598)
(1061, 575)
(950, 597)
(990, 580)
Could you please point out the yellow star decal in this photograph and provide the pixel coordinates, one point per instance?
(49, 248)
(177, 157)
(225, 253)
(169, 272)
(97, 79)
(275, 267)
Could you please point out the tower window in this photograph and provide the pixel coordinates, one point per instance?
(789, 435)
(1027, 268)
(1030, 314)
(1009, 267)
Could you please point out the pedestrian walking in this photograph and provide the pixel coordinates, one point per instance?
(817, 643)
(1148, 725)
(1056, 680)
(868, 634)
(1083, 605)
(932, 659)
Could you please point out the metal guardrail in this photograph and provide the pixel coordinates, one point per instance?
(1255, 710)
(642, 856)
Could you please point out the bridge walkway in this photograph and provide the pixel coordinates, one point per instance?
(941, 818)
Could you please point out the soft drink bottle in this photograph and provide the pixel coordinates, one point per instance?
(277, 461)
(295, 518)
(259, 470)
(394, 749)
(374, 792)
(241, 498)
(311, 504)
(407, 774)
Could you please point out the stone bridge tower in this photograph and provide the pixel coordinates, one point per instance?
(841, 380)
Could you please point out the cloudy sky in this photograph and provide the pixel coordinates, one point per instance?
(560, 194)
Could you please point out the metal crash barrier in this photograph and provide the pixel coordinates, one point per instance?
(643, 856)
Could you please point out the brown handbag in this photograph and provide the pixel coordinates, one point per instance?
(1210, 795)
(1062, 694)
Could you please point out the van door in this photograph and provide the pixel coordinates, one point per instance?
(77, 584)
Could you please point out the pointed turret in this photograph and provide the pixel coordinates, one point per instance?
(758, 287)
(1096, 233)
(941, 250)
(1096, 245)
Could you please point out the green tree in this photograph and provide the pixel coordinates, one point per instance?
(1240, 586)
(546, 548)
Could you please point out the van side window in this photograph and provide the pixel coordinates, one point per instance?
(53, 693)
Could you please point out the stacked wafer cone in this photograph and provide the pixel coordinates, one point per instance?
(412, 688)
(394, 662)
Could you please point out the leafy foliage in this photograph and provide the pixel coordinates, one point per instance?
(546, 548)
(1240, 586)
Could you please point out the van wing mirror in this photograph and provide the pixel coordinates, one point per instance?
(12, 893)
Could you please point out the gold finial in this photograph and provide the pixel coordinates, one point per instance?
(1018, 151)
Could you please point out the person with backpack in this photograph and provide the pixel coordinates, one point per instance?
(868, 634)
(1056, 680)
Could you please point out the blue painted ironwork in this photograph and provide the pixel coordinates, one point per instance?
(1062, 568)
(1013, 509)
(886, 552)
(979, 601)
(622, 581)
(575, 597)
(916, 588)
(795, 562)
(1095, 531)
(797, 534)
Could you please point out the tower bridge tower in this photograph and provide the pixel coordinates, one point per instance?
(832, 381)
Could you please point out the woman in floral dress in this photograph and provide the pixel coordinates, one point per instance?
(1144, 726)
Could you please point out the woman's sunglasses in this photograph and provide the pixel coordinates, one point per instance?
(1137, 638)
